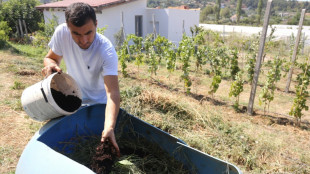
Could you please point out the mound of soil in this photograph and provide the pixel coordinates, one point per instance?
(104, 158)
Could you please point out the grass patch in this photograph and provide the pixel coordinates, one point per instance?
(166, 106)
(36, 53)
(35, 126)
(12, 68)
(6, 156)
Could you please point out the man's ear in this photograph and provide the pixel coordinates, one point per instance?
(96, 23)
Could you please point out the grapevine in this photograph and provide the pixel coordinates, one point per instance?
(301, 93)
(215, 84)
(236, 88)
(186, 50)
(136, 48)
(273, 76)
(234, 68)
(124, 57)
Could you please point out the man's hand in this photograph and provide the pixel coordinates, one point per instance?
(51, 63)
(49, 69)
(108, 133)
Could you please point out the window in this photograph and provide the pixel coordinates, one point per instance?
(138, 26)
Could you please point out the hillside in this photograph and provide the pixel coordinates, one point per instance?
(283, 12)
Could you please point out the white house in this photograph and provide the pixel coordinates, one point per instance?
(137, 18)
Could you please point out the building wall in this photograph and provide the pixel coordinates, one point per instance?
(112, 18)
(161, 21)
(175, 27)
(49, 15)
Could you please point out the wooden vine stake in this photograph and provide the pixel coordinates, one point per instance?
(259, 58)
(290, 73)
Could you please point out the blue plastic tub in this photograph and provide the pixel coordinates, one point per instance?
(40, 157)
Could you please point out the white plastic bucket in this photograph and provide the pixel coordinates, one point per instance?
(55, 96)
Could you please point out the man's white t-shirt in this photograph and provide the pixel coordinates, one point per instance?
(88, 66)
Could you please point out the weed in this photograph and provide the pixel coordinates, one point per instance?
(18, 85)
(17, 105)
(131, 92)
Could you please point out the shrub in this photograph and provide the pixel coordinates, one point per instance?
(4, 33)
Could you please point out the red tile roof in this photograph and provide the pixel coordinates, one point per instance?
(183, 7)
(93, 3)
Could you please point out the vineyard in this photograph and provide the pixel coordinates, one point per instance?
(199, 92)
(206, 55)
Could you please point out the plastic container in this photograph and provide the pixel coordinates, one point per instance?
(55, 96)
(40, 156)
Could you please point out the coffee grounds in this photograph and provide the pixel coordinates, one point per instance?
(68, 103)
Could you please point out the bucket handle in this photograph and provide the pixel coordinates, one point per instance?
(42, 90)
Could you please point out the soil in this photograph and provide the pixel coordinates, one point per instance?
(104, 158)
(68, 103)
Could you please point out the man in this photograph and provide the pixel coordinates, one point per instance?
(90, 59)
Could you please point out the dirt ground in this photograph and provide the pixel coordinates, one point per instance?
(16, 128)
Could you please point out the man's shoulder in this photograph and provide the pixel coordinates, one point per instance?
(103, 40)
(62, 28)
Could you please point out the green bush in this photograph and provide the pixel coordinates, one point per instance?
(4, 33)
(42, 37)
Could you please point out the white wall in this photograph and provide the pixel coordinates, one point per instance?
(49, 15)
(176, 17)
(170, 22)
(161, 21)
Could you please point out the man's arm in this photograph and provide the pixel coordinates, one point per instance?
(112, 109)
(51, 63)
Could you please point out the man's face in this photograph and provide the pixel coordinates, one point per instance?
(84, 35)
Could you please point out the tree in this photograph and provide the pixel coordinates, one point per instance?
(205, 13)
(239, 4)
(217, 10)
(295, 19)
(259, 11)
(225, 13)
(14, 10)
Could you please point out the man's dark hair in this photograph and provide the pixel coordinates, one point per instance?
(79, 13)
